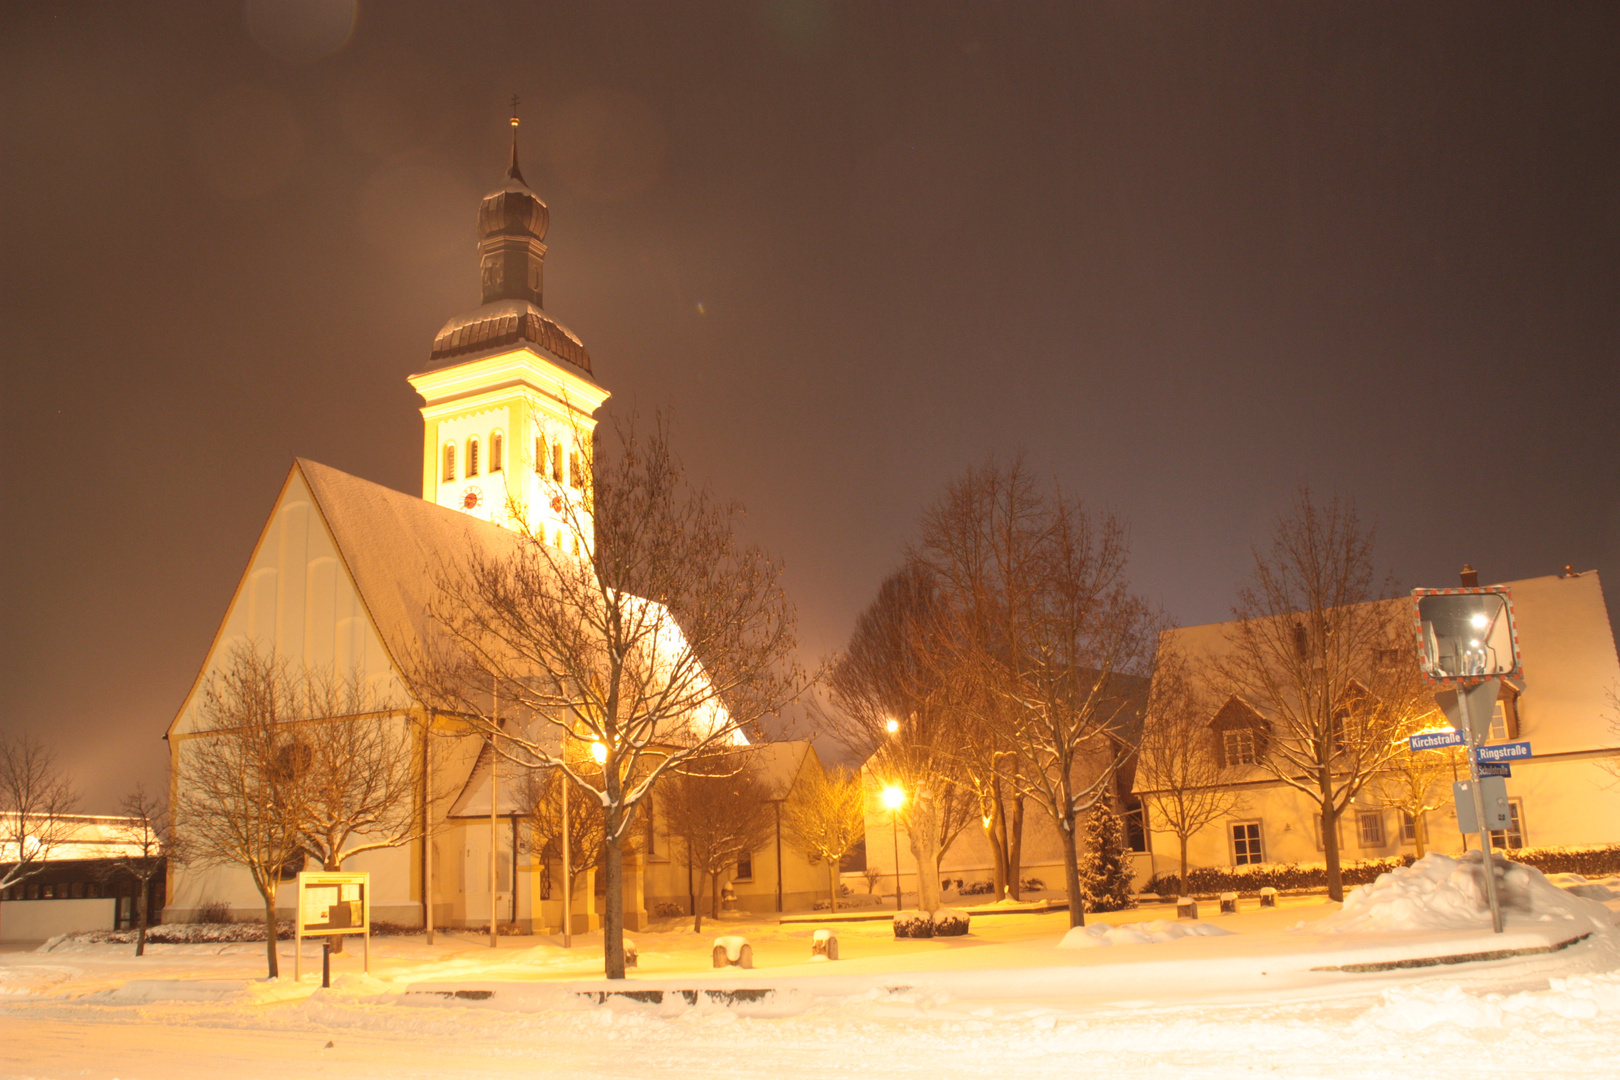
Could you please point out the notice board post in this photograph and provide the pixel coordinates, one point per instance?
(331, 903)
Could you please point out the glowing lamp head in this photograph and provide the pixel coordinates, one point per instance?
(599, 752)
(1479, 621)
(893, 798)
(892, 725)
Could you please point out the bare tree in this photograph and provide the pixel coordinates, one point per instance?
(982, 542)
(148, 842)
(1323, 661)
(891, 708)
(826, 817)
(540, 800)
(661, 639)
(1044, 628)
(37, 802)
(1078, 675)
(1179, 769)
(359, 785)
(719, 808)
(241, 798)
(1417, 781)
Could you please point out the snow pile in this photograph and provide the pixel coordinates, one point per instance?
(1442, 893)
(1413, 1009)
(1601, 891)
(1146, 933)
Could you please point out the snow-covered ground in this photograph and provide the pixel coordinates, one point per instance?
(1004, 1000)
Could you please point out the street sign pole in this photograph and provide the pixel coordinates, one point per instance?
(1475, 740)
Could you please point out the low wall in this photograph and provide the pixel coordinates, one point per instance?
(36, 920)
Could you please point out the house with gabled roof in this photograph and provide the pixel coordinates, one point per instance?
(1564, 795)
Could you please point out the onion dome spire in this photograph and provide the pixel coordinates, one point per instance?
(512, 225)
(512, 222)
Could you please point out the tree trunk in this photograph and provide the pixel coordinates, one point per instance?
(140, 914)
(832, 884)
(336, 940)
(1071, 871)
(270, 934)
(1419, 833)
(1184, 890)
(697, 904)
(995, 831)
(613, 906)
(1330, 847)
(714, 896)
(922, 836)
(1015, 850)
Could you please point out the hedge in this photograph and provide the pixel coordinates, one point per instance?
(1588, 862)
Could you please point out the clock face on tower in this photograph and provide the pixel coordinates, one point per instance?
(471, 498)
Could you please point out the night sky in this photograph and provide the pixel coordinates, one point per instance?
(1183, 256)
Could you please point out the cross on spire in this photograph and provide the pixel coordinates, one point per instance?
(513, 172)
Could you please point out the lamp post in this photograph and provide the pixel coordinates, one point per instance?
(894, 798)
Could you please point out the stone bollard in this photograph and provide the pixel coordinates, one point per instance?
(1268, 897)
(1186, 908)
(630, 957)
(1228, 903)
(824, 944)
(733, 952)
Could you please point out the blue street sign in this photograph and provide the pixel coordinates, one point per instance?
(1512, 751)
(1495, 768)
(1434, 740)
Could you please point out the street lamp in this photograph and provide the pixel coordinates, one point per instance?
(599, 752)
(894, 798)
(891, 725)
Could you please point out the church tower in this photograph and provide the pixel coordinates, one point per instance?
(510, 400)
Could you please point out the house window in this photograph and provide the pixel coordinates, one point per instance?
(449, 461)
(1370, 828)
(1135, 826)
(1499, 723)
(1511, 838)
(1246, 847)
(1239, 746)
(496, 442)
(1409, 828)
(472, 457)
(539, 455)
(745, 867)
(556, 463)
(576, 478)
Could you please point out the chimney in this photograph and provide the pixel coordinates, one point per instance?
(1470, 577)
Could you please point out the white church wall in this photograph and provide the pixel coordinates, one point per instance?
(298, 600)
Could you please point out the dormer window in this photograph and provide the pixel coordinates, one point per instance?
(472, 457)
(1239, 747)
(449, 461)
(1240, 734)
(495, 452)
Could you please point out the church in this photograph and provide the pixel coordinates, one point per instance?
(342, 578)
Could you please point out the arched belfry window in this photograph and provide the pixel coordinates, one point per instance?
(472, 457)
(449, 461)
(495, 451)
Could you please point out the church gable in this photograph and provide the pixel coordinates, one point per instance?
(298, 599)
